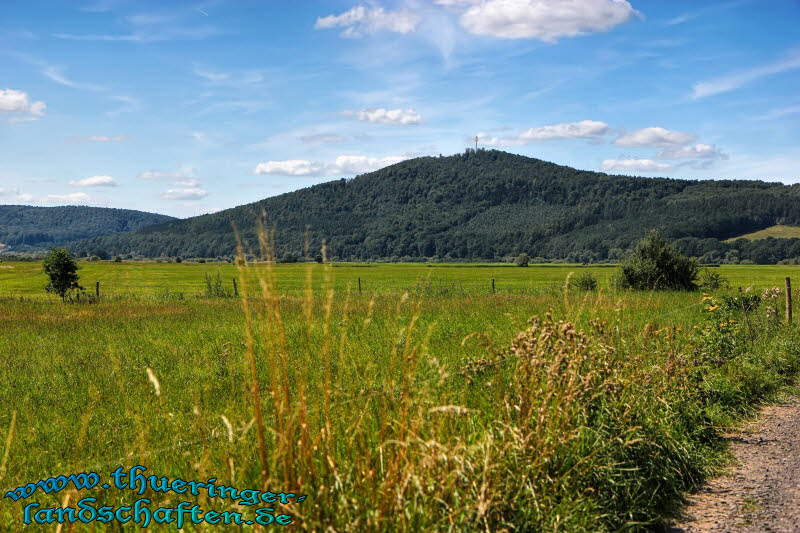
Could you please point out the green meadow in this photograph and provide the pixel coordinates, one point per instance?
(144, 278)
(425, 402)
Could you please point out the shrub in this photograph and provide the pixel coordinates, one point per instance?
(711, 280)
(118, 259)
(61, 268)
(655, 264)
(178, 259)
(584, 281)
(522, 260)
(214, 287)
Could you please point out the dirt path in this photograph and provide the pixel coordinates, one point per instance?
(762, 490)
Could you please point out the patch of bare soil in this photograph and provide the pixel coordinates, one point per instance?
(762, 490)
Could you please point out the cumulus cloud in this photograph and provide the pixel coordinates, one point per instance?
(356, 164)
(545, 20)
(192, 193)
(95, 181)
(344, 164)
(18, 102)
(634, 165)
(380, 115)
(289, 167)
(362, 20)
(585, 129)
(697, 151)
(654, 136)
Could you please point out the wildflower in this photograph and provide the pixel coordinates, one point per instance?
(712, 308)
(723, 324)
(706, 298)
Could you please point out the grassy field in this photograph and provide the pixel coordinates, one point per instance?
(778, 231)
(154, 279)
(425, 402)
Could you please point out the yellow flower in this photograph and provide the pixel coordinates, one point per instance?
(706, 298)
(723, 324)
(712, 307)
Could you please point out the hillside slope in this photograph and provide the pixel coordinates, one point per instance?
(26, 227)
(473, 205)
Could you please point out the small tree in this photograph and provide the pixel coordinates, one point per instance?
(61, 268)
(178, 259)
(522, 260)
(656, 264)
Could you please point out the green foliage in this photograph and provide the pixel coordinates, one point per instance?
(632, 415)
(584, 281)
(712, 280)
(62, 272)
(484, 204)
(746, 302)
(522, 260)
(214, 286)
(178, 259)
(655, 264)
(24, 227)
(118, 259)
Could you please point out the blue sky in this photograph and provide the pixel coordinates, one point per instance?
(186, 108)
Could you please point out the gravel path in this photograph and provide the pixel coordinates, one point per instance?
(762, 490)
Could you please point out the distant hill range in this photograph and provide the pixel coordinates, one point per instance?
(487, 204)
(25, 227)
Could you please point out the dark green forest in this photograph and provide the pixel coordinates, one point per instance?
(487, 204)
(23, 227)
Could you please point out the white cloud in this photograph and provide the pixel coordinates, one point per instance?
(72, 198)
(654, 136)
(362, 20)
(739, 79)
(147, 35)
(192, 193)
(344, 164)
(181, 174)
(697, 151)
(355, 164)
(585, 129)
(545, 20)
(289, 167)
(12, 101)
(781, 112)
(380, 115)
(57, 75)
(95, 181)
(634, 165)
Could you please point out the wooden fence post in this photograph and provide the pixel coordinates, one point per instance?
(97, 289)
(235, 288)
(788, 300)
(492, 285)
(359, 285)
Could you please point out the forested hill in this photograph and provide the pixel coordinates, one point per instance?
(23, 226)
(479, 204)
